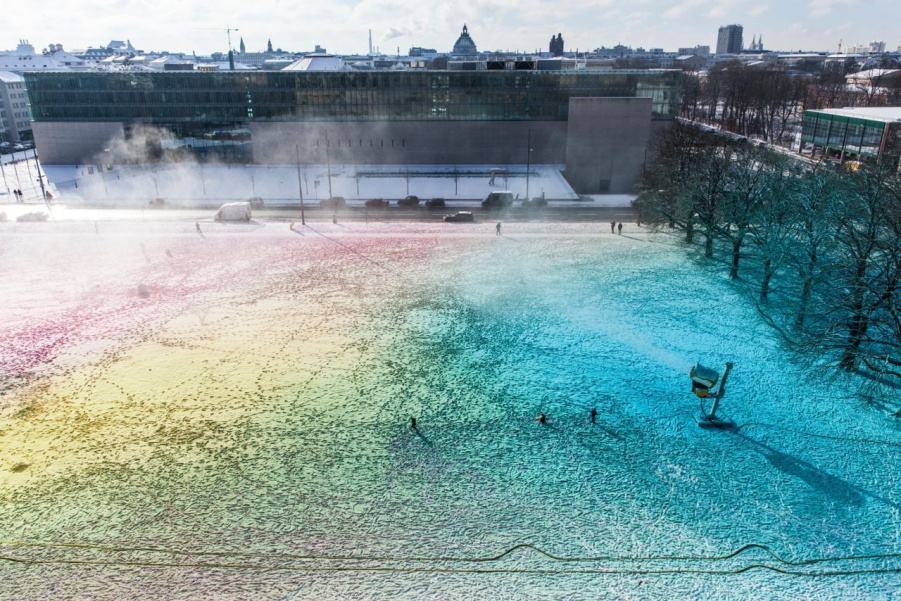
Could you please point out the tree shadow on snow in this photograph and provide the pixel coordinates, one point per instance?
(823, 482)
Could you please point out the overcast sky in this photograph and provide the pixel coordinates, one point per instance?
(342, 25)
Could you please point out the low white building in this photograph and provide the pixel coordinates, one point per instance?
(66, 60)
(318, 62)
(24, 58)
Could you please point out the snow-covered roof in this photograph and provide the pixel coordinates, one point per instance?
(10, 77)
(872, 73)
(889, 114)
(317, 62)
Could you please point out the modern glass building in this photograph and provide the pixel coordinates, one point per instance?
(864, 133)
(327, 96)
(441, 117)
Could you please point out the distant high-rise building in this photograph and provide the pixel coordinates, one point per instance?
(875, 47)
(556, 46)
(729, 40)
(15, 114)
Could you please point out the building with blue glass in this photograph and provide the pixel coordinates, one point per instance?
(855, 133)
(596, 123)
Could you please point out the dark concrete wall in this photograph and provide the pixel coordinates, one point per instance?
(75, 143)
(409, 142)
(603, 143)
(606, 142)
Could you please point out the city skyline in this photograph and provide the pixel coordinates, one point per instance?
(342, 27)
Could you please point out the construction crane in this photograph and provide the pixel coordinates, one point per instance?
(228, 31)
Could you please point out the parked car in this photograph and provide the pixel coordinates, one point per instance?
(334, 203)
(434, 203)
(409, 201)
(377, 203)
(459, 217)
(158, 203)
(535, 203)
(234, 211)
(256, 202)
(498, 200)
(33, 217)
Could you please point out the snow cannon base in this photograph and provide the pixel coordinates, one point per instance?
(707, 421)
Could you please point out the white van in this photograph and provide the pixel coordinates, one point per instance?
(498, 200)
(234, 211)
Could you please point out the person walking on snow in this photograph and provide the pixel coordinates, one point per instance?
(412, 423)
(197, 227)
(612, 227)
(620, 228)
(498, 229)
(594, 415)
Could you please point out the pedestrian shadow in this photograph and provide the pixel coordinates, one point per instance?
(631, 237)
(608, 432)
(423, 438)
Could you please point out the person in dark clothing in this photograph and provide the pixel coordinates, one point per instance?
(542, 418)
(594, 415)
(612, 227)
(497, 229)
(412, 423)
(620, 228)
(197, 227)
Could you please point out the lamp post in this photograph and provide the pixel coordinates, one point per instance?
(103, 175)
(328, 164)
(40, 177)
(528, 159)
(16, 172)
(3, 172)
(300, 185)
(28, 168)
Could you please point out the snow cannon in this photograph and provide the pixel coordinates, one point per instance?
(703, 379)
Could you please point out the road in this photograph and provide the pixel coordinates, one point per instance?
(586, 212)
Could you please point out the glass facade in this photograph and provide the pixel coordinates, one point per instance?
(205, 142)
(853, 135)
(229, 97)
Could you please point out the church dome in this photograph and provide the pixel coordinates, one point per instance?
(465, 46)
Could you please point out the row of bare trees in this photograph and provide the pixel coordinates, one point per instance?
(819, 246)
(768, 102)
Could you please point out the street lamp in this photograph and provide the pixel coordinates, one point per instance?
(40, 176)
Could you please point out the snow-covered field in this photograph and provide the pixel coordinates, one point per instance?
(240, 430)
